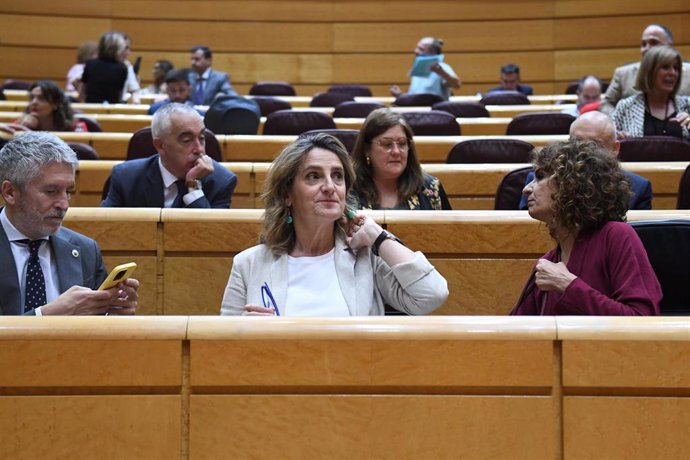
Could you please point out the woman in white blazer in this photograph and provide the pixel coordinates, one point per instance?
(317, 258)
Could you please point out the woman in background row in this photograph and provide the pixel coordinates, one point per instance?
(104, 77)
(49, 109)
(388, 172)
(657, 110)
(316, 258)
(599, 266)
(86, 51)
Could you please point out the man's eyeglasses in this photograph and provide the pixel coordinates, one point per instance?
(387, 145)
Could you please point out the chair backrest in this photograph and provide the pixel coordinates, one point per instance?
(432, 123)
(233, 115)
(540, 123)
(347, 136)
(462, 109)
(417, 100)
(16, 84)
(509, 190)
(490, 151)
(352, 90)
(668, 243)
(91, 123)
(272, 88)
(291, 122)
(141, 145)
(83, 151)
(328, 99)
(271, 104)
(504, 98)
(654, 148)
(684, 190)
(352, 109)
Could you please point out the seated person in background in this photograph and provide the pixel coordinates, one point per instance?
(597, 127)
(510, 80)
(206, 82)
(623, 81)
(178, 89)
(181, 175)
(132, 88)
(105, 76)
(49, 109)
(588, 96)
(442, 78)
(86, 51)
(388, 173)
(60, 276)
(160, 70)
(319, 259)
(599, 266)
(657, 110)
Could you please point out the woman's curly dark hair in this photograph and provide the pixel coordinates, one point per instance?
(590, 188)
(63, 115)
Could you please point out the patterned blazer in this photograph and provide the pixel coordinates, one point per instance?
(629, 114)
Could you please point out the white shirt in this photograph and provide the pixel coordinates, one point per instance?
(170, 189)
(313, 287)
(20, 252)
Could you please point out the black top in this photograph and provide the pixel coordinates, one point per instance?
(104, 80)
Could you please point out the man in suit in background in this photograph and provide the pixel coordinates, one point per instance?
(623, 80)
(178, 89)
(595, 126)
(47, 269)
(510, 81)
(205, 81)
(181, 175)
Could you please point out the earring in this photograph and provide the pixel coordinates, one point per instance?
(368, 161)
(289, 219)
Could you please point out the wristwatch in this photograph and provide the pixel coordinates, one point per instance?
(384, 235)
(193, 184)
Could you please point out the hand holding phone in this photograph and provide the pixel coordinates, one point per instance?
(118, 275)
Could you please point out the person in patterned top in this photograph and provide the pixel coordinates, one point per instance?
(389, 175)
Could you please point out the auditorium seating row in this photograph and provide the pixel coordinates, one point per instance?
(404, 388)
(184, 256)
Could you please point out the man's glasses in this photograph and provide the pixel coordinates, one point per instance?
(388, 145)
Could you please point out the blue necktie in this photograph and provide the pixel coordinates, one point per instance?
(181, 191)
(35, 292)
(199, 92)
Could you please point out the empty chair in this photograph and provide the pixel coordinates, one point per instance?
(83, 151)
(296, 122)
(462, 109)
(418, 100)
(540, 123)
(432, 123)
(490, 151)
(352, 109)
(347, 136)
(329, 99)
(504, 98)
(91, 123)
(141, 145)
(684, 190)
(509, 191)
(271, 104)
(352, 90)
(667, 243)
(272, 88)
(654, 148)
(233, 115)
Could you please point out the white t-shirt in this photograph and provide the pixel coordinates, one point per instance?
(313, 287)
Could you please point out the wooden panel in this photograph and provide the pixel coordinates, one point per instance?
(369, 364)
(624, 364)
(104, 427)
(625, 428)
(90, 363)
(65, 7)
(404, 427)
(20, 63)
(65, 32)
(117, 233)
(195, 285)
(217, 236)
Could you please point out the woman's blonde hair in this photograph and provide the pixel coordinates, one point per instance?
(653, 60)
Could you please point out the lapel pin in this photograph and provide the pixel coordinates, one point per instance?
(75, 253)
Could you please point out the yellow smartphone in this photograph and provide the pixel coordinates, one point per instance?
(117, 275)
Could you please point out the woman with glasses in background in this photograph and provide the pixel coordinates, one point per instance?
(388, 172)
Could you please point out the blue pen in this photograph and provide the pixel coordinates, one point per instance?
(270, 302)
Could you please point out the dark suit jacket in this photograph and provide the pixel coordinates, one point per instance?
(139, 184)
(524, 89)
(641, 188)
(162, 103)
(78, 260)
(217, 82)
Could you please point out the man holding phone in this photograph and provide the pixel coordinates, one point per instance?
(47, 269)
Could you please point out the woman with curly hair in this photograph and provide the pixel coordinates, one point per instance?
(599, 266)
(389, 175)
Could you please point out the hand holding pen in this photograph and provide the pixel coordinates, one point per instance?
(270, 307)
